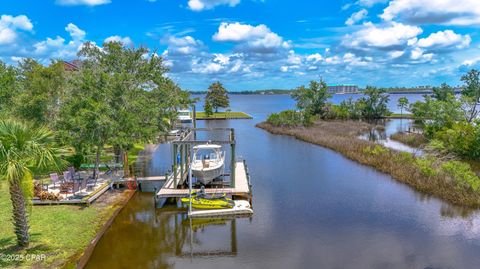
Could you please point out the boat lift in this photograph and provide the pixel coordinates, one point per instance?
(239, 186)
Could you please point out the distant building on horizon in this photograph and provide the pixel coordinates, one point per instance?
(342, 88)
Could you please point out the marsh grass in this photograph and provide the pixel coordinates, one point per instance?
(411, 139)
(425, 175)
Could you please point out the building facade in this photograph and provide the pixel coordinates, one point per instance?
(342, 88)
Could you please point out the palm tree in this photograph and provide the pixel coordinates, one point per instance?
(24, 150)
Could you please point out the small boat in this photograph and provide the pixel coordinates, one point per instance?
(201, 201)
(185, 116)
(208, 162)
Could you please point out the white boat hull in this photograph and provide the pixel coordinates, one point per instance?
(205, 176)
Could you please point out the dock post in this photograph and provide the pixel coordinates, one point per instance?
(174, 165)
(194, 109)
(182, 162)
(233, 161)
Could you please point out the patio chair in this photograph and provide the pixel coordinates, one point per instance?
(54, 178)
(73, 174)
(66, 176)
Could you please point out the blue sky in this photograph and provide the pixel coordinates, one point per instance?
(259, 44)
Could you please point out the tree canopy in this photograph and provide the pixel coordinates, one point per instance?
(312, 99)
(217, 96)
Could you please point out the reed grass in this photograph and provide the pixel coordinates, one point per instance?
(411, 139)
(425, 175)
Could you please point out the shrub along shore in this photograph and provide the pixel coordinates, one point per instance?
(452, 181)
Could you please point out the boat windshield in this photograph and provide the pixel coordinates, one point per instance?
(184, 113)
(206, 155)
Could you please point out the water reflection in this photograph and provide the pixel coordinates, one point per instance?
(381, 130)
(151, 237)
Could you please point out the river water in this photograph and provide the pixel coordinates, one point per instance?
(313, 209)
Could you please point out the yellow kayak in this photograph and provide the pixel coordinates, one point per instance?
(209, 203)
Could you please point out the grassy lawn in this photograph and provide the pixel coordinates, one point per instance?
(61, 233)
(223, 115)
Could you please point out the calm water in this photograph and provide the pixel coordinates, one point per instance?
(313, 209)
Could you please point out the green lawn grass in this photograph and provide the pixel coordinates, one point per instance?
(223, 115)
(61, 233)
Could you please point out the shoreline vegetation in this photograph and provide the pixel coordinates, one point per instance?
(229, 115)
(449, 136)
(425, 175)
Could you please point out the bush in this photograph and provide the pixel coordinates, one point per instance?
(290, 118)
(462, 139)
(462, 174)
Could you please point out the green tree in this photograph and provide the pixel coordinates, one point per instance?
(41, 90)
(23, 150)
(443, 92)
(217, 96)
(374, 104)
(208, 108)
(437, 115)
(8, 87)
(312, 100)
(119, 97)
(402, 104)
(471, 93)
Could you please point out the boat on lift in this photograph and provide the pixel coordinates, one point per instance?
(185, 116)
(208, 162)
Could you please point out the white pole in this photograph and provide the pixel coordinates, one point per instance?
(190, 180)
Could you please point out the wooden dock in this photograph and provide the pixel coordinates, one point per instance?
(240, 188)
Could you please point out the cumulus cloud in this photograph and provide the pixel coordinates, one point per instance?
(75, 32)
(314, 58)
(58, 47)
(82, 2)
(199, 5)
(443, 39)
(127, 41)
(9, 26)
(259, 39)
(390, 35)
(449, 12)
(356, 17)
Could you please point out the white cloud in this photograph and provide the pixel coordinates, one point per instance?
(392, 34)
(9, 26)
(75, 32)
(471, 62)
(356, 17)
(442, 39)
(418, 54)
(127, 41)
(82, 2)
(256, 38)
(183, 45)
(59, 48)
(199, 5)
(315, 58)
(396, 53)
(293, 58)
(449, 12)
